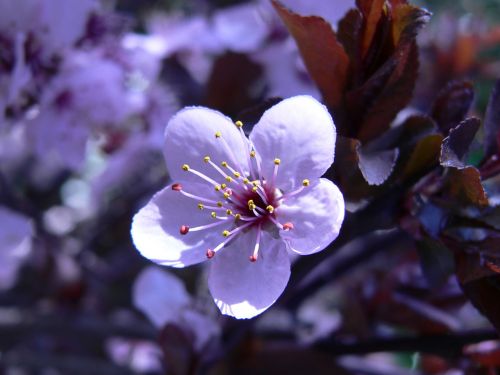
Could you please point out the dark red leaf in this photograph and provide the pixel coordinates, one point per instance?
(395, 95)
(372, 12)
(480, 285)
(177, 346)
(465, 186)
(456, 146)
(407, 21)
(452, 105)
(348, 33)
(492, 123)
(425, 156)
(324, 57)
(377, 166)
(232, 84)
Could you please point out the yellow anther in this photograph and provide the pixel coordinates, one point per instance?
(218, 134)
(239, 124)
(226, 195)
(246, 180)
(251, 205)
(252, 153)
(277, 161)
(223, 186)
(229, 179)
(201, 206)
(217, 187)
(229, 212)
(224, 164)
(270, 209)
(219, 204)
(226, 233)
(185, 167)
(255, 188)
(255, 183)
(213, 214)
(237, 174)
(206, 159)
(237, 217)
(306, 182)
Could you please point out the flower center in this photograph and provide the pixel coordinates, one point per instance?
(246, 199)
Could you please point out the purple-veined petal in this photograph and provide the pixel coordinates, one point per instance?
(316, 214)
(244, 289)
(155, 228)
(160, 295)
(301, 133)
(190, 136)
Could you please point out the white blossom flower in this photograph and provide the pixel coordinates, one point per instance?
(244, 202)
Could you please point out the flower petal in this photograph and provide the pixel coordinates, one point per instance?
(155, 228)
(301, 133)
(244, 289)
(190, 136)
(316, 214)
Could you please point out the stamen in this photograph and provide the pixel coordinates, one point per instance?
(247, 142)
(210, 253)
(230, 153)
(201, 206)
(236, 230)
(253, 154)
(270, 209)
(275, 222)
(186, 168)
(216, 208)
(216, 167)
(196, 197)
(233, 171)
(277, 162)
(207, 226)
(305, 183)
(184, 229)
(253, 257)
(251, 205)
